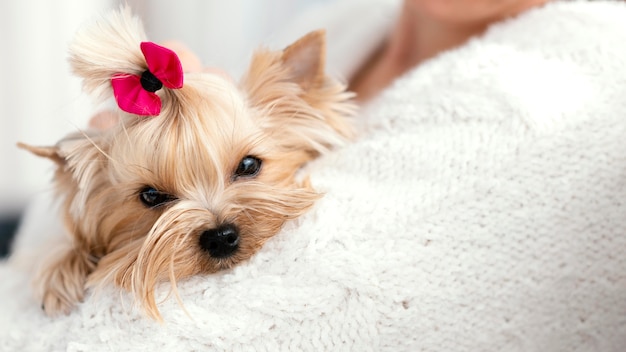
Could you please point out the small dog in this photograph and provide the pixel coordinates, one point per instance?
(198, 174)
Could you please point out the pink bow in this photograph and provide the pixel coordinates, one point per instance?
(136, 94)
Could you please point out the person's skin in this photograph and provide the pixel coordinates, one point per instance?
(426, 28)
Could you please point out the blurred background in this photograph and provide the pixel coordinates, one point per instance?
(40, 101)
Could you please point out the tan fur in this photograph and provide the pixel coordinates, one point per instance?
(286, 112)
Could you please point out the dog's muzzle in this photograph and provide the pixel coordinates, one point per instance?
(220, 242)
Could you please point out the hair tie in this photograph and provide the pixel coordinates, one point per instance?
(136, 94)
(149, 82)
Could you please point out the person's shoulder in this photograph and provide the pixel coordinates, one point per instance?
(584, 33)
(547, 69)
(582, 11)
(564, 21)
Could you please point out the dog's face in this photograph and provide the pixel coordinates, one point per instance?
(203, 185)
(197, 189)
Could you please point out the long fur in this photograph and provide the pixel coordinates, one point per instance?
(286, 111)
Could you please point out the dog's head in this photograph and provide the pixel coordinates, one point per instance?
(202, 185)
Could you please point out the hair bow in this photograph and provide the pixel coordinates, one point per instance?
(136, 94)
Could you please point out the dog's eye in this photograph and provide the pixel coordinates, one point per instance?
(249, 166)
(151, 197)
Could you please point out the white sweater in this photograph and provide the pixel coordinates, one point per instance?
(483, 210)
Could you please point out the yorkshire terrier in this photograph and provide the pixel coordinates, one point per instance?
(198, 173)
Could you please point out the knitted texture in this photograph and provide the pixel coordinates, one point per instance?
(483, 209)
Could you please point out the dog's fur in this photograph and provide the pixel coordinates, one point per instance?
(285, 111)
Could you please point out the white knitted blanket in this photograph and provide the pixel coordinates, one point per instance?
(483, 210)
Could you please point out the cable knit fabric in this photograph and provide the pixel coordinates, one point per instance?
(482, 209)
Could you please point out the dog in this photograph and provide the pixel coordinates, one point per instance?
(198, 173)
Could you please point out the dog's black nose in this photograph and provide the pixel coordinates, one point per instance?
(220, 242)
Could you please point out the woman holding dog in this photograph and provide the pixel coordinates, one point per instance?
(482, 208)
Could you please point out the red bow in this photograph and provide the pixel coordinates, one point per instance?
(135, 94)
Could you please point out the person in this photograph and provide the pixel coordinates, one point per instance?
(481, 208)
(426, 28)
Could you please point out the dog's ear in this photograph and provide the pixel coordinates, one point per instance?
(306, 59)
(51, 153)
(275, 72)
(69, 151)
(81, 160)
(297, 102)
